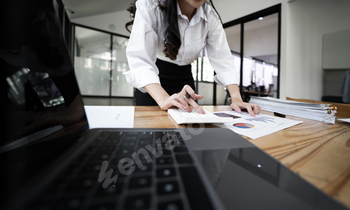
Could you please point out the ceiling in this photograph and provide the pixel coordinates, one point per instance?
(84, 8)
(254, 24)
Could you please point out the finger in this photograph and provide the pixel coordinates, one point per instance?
(195, 106)
(187, 89)
(256, 108)
(178, 104)
(236, 108)
(184, 101)
(249, 109)
(199, 97)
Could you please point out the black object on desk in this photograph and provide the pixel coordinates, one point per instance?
(279, 114)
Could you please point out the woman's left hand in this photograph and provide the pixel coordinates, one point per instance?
(252, 109)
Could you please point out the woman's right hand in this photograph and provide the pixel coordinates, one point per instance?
(178, 100)
(183, 100)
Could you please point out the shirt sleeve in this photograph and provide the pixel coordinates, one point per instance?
(141, 49)
(219, 53)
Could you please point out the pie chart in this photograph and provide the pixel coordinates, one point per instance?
(243, 125)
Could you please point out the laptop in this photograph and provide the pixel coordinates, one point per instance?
(48, 164)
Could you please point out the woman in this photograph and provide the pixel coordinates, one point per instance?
(167, 36)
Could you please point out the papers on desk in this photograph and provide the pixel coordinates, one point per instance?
(319, 112)
(255, 127)
(244, 123)
(345, 120)
(181, 116)
(110, 116)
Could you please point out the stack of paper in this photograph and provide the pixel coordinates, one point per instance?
(319, 112)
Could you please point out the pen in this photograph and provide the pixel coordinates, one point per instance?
(279, 114)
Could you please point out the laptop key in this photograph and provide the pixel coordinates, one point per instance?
(146, 135)
(105, 149)
(140, 182)
(164, 188)
(112, 189)
(144, 142)
(145, 168)
(69, 204)
(115, 135)
(164, 161)
(94, 168)
(111, 142)
(171, 205)
(138, 202)
(125, 151)
(101, 156)
(165, 172)
(166, 152)
(82, 184)
(131, 133)
(160, 135)
(130, 139)
(128, 144)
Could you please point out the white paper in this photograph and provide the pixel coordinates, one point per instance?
(344, 120)
(319, 112)
(255, 127)
(110, 116)
(181, 116)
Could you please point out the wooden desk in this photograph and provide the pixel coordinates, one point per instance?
(318, 152)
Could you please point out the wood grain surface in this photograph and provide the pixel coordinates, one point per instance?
(318, 152)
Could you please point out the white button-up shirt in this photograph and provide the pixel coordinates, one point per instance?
(146, 44)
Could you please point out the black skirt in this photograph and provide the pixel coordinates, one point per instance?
(172, 78)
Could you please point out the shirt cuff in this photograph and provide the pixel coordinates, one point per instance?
(139, 78)
(227, 78)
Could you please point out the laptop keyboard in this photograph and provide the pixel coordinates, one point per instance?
(168, 182)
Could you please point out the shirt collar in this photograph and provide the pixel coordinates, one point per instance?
(197, 16)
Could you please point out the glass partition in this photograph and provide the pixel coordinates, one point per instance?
(260, 55)
(255, 44)
(233, 36)
(120, 65)
(92, 61)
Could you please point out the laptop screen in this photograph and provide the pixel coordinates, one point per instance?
(39, 91)
(37, 73)
(248, 178)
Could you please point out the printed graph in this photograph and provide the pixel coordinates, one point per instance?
(243, 125)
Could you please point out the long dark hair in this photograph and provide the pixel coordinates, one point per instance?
(172, 40)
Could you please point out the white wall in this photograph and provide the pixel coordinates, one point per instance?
(261, 41)
(308, 21)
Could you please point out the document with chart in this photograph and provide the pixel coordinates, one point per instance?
(255, 127)
(181, 116)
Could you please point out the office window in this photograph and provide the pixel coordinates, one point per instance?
(100, 61)
(120, 65)
(255, 41)
(92, 62)
(205, 70)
